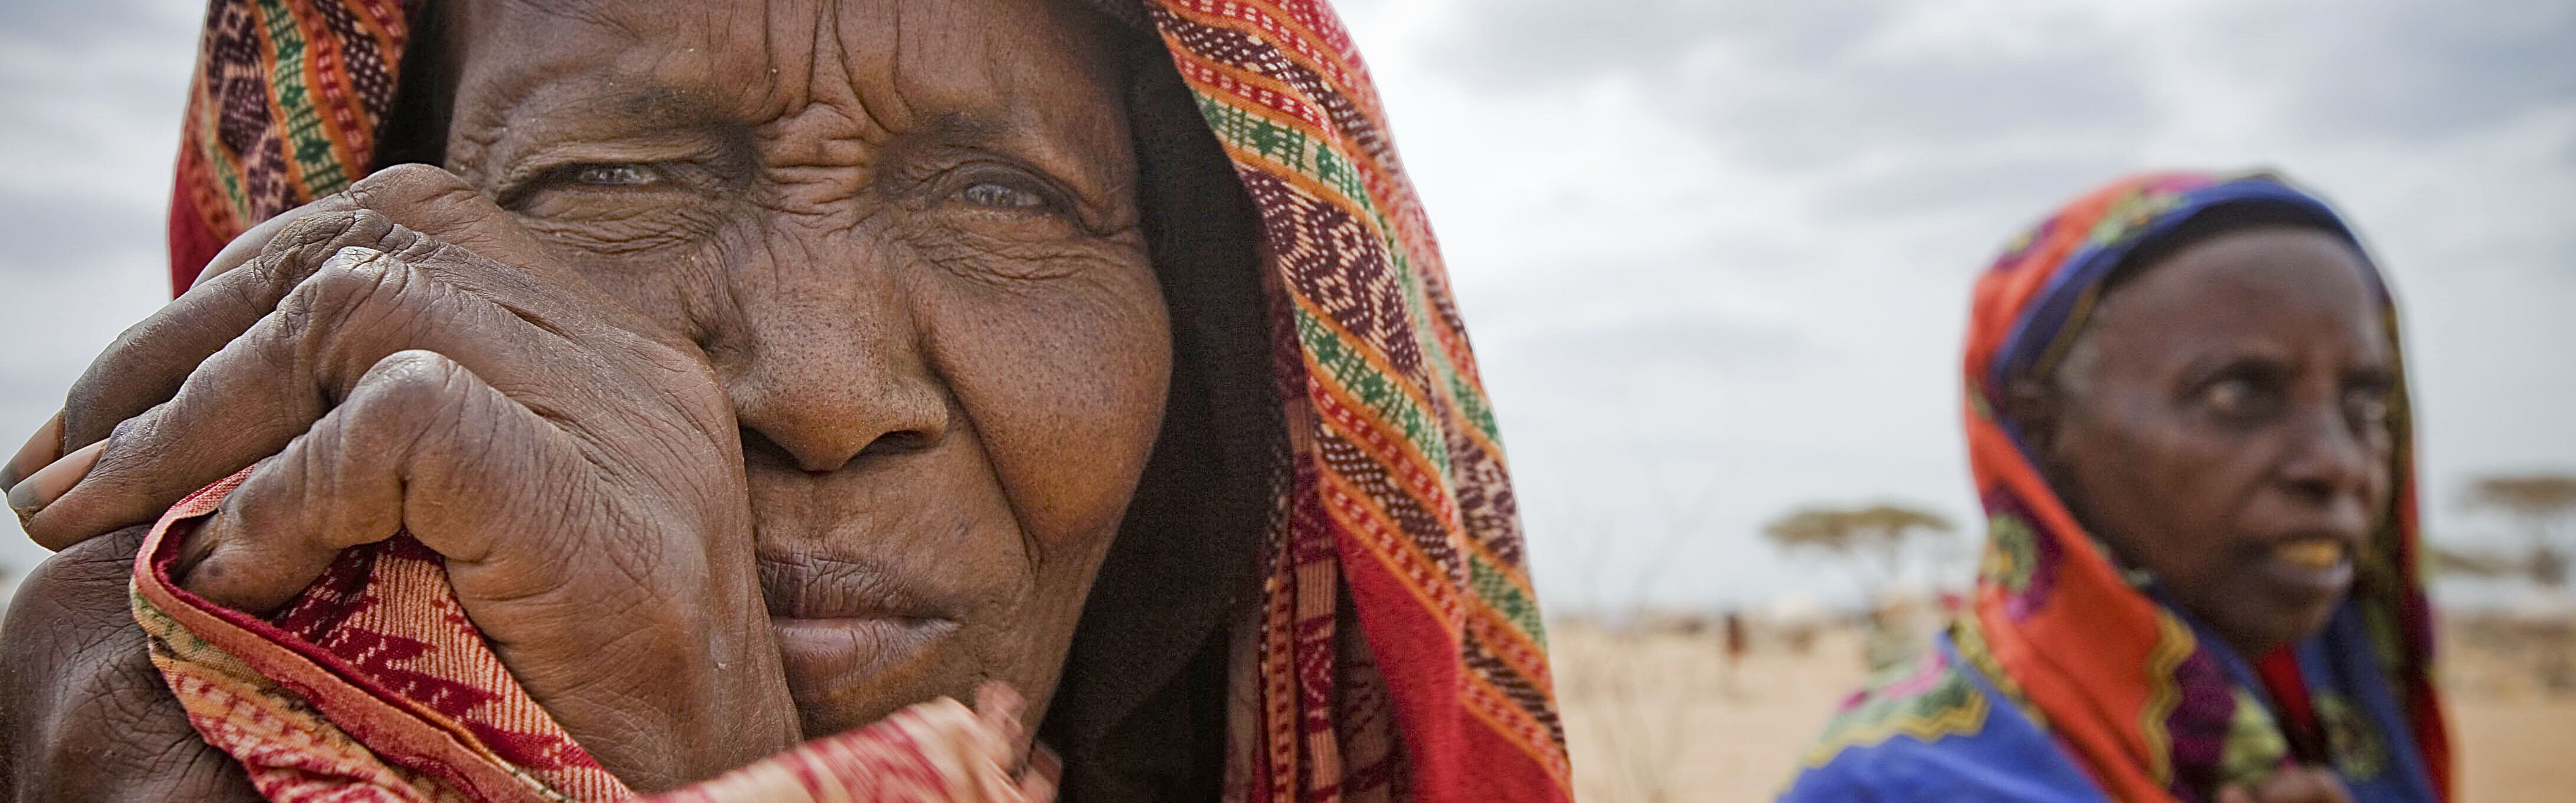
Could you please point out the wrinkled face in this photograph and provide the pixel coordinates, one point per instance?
(2223, 423)
(906, 234)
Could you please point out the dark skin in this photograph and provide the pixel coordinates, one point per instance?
(823, 352)
(2222, 422)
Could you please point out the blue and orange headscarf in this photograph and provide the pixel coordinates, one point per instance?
(2144, 699)
(1395, 650)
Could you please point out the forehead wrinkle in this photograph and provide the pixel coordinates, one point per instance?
(594, 67)
(810, 66)
(744, 62)
(885, 72)
(763, 73)
(898, 105)
(582, 13)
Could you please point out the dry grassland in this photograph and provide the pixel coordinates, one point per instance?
(1660, 717)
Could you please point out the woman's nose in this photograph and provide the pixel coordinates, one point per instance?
(2328, 462)
(823, 411)
(827, 372)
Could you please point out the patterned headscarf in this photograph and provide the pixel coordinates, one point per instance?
(2146, 700)
(1396, 632)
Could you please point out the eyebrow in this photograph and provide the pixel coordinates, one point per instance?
(2378, 372)
(650, 107)
(965, 127)
(2211, 362)
(659, 105)
(551, 119)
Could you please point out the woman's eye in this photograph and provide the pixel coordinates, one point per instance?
(1001, 196)
(2367, 408)
(2230, 394)
(615, 175)
(2237, 397)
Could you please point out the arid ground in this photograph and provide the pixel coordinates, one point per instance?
(1656, 715)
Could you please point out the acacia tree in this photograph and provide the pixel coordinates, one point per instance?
(2538, 503)
(1877, 536)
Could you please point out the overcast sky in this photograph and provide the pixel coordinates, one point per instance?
(1715, 256)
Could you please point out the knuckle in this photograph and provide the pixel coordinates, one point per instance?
(405, 184)
(305, 234)
(411, 373)
(367, 228)
(308, 244)
(402, 394)
(409, 245)
(354, 279)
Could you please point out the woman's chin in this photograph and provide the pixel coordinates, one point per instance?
(2286, 607)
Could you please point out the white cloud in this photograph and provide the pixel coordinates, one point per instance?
(1722, 250)
(1715, 255)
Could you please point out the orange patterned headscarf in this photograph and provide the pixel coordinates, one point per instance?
(2150, 706)
(1396, 650)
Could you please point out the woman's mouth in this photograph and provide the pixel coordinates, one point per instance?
(838, 651)
(2320, 563)
(2314, 554)
(839, 622)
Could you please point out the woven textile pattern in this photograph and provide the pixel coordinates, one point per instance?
(1397, 652)
(284, 109)
(1399, 487)
(372, 686)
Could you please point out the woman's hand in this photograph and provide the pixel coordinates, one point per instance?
(83, 715)
(405, 358)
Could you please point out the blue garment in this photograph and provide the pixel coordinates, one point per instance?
(1996, 755)
(1940, 731)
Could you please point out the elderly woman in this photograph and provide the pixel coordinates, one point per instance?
(2188, 425)
(745, 376)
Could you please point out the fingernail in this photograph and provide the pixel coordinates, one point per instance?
(49, 483)
(39, 451)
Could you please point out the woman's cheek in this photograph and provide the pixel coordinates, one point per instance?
(1064, 381)
(663, 268)
(2216, 481)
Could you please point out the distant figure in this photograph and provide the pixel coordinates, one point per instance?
(1734, 638)
(2190, 430)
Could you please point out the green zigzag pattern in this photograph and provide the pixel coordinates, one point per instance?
(1375, 389)
(309, 146)
(1294, 149)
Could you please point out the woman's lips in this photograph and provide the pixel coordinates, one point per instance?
(2313, 563)
(837, 651)
(2317, 554)
(838, 620)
